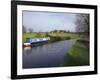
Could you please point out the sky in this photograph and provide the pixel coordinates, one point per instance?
(41, 21)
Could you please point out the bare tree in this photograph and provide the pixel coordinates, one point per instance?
(82, 23)
(30, 30)
(24, 29)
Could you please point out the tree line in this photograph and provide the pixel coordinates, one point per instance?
(27, 30)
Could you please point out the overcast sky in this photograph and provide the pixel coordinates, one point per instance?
(48, 21)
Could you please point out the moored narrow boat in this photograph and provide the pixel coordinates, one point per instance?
(35, 41)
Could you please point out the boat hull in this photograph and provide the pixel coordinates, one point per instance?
(39, 43)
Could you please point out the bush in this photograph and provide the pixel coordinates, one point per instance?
(54, 39)
(58, 38)
(67, 37)
(83, 41)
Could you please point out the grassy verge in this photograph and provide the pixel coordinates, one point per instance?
(55, 35)
(78, 55)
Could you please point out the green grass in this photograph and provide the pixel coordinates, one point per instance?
(72, 35)
(78, 55)
(28, 35)
(54, 34)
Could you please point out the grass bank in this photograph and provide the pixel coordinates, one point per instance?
(78, 55)
(54, 35)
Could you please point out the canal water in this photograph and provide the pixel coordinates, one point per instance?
(49, 55)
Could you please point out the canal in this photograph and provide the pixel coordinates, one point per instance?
(49, 55)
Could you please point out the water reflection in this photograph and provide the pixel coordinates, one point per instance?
(50, 55)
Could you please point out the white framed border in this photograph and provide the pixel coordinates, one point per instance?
(21, 71)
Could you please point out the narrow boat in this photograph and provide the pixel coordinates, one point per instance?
(36, 41)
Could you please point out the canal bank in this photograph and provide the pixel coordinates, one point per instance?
(78, 55)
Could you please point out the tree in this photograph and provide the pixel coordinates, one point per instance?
(68, 31)
(82, 23)
(55, 31)
(24, 29)
(30, 30)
